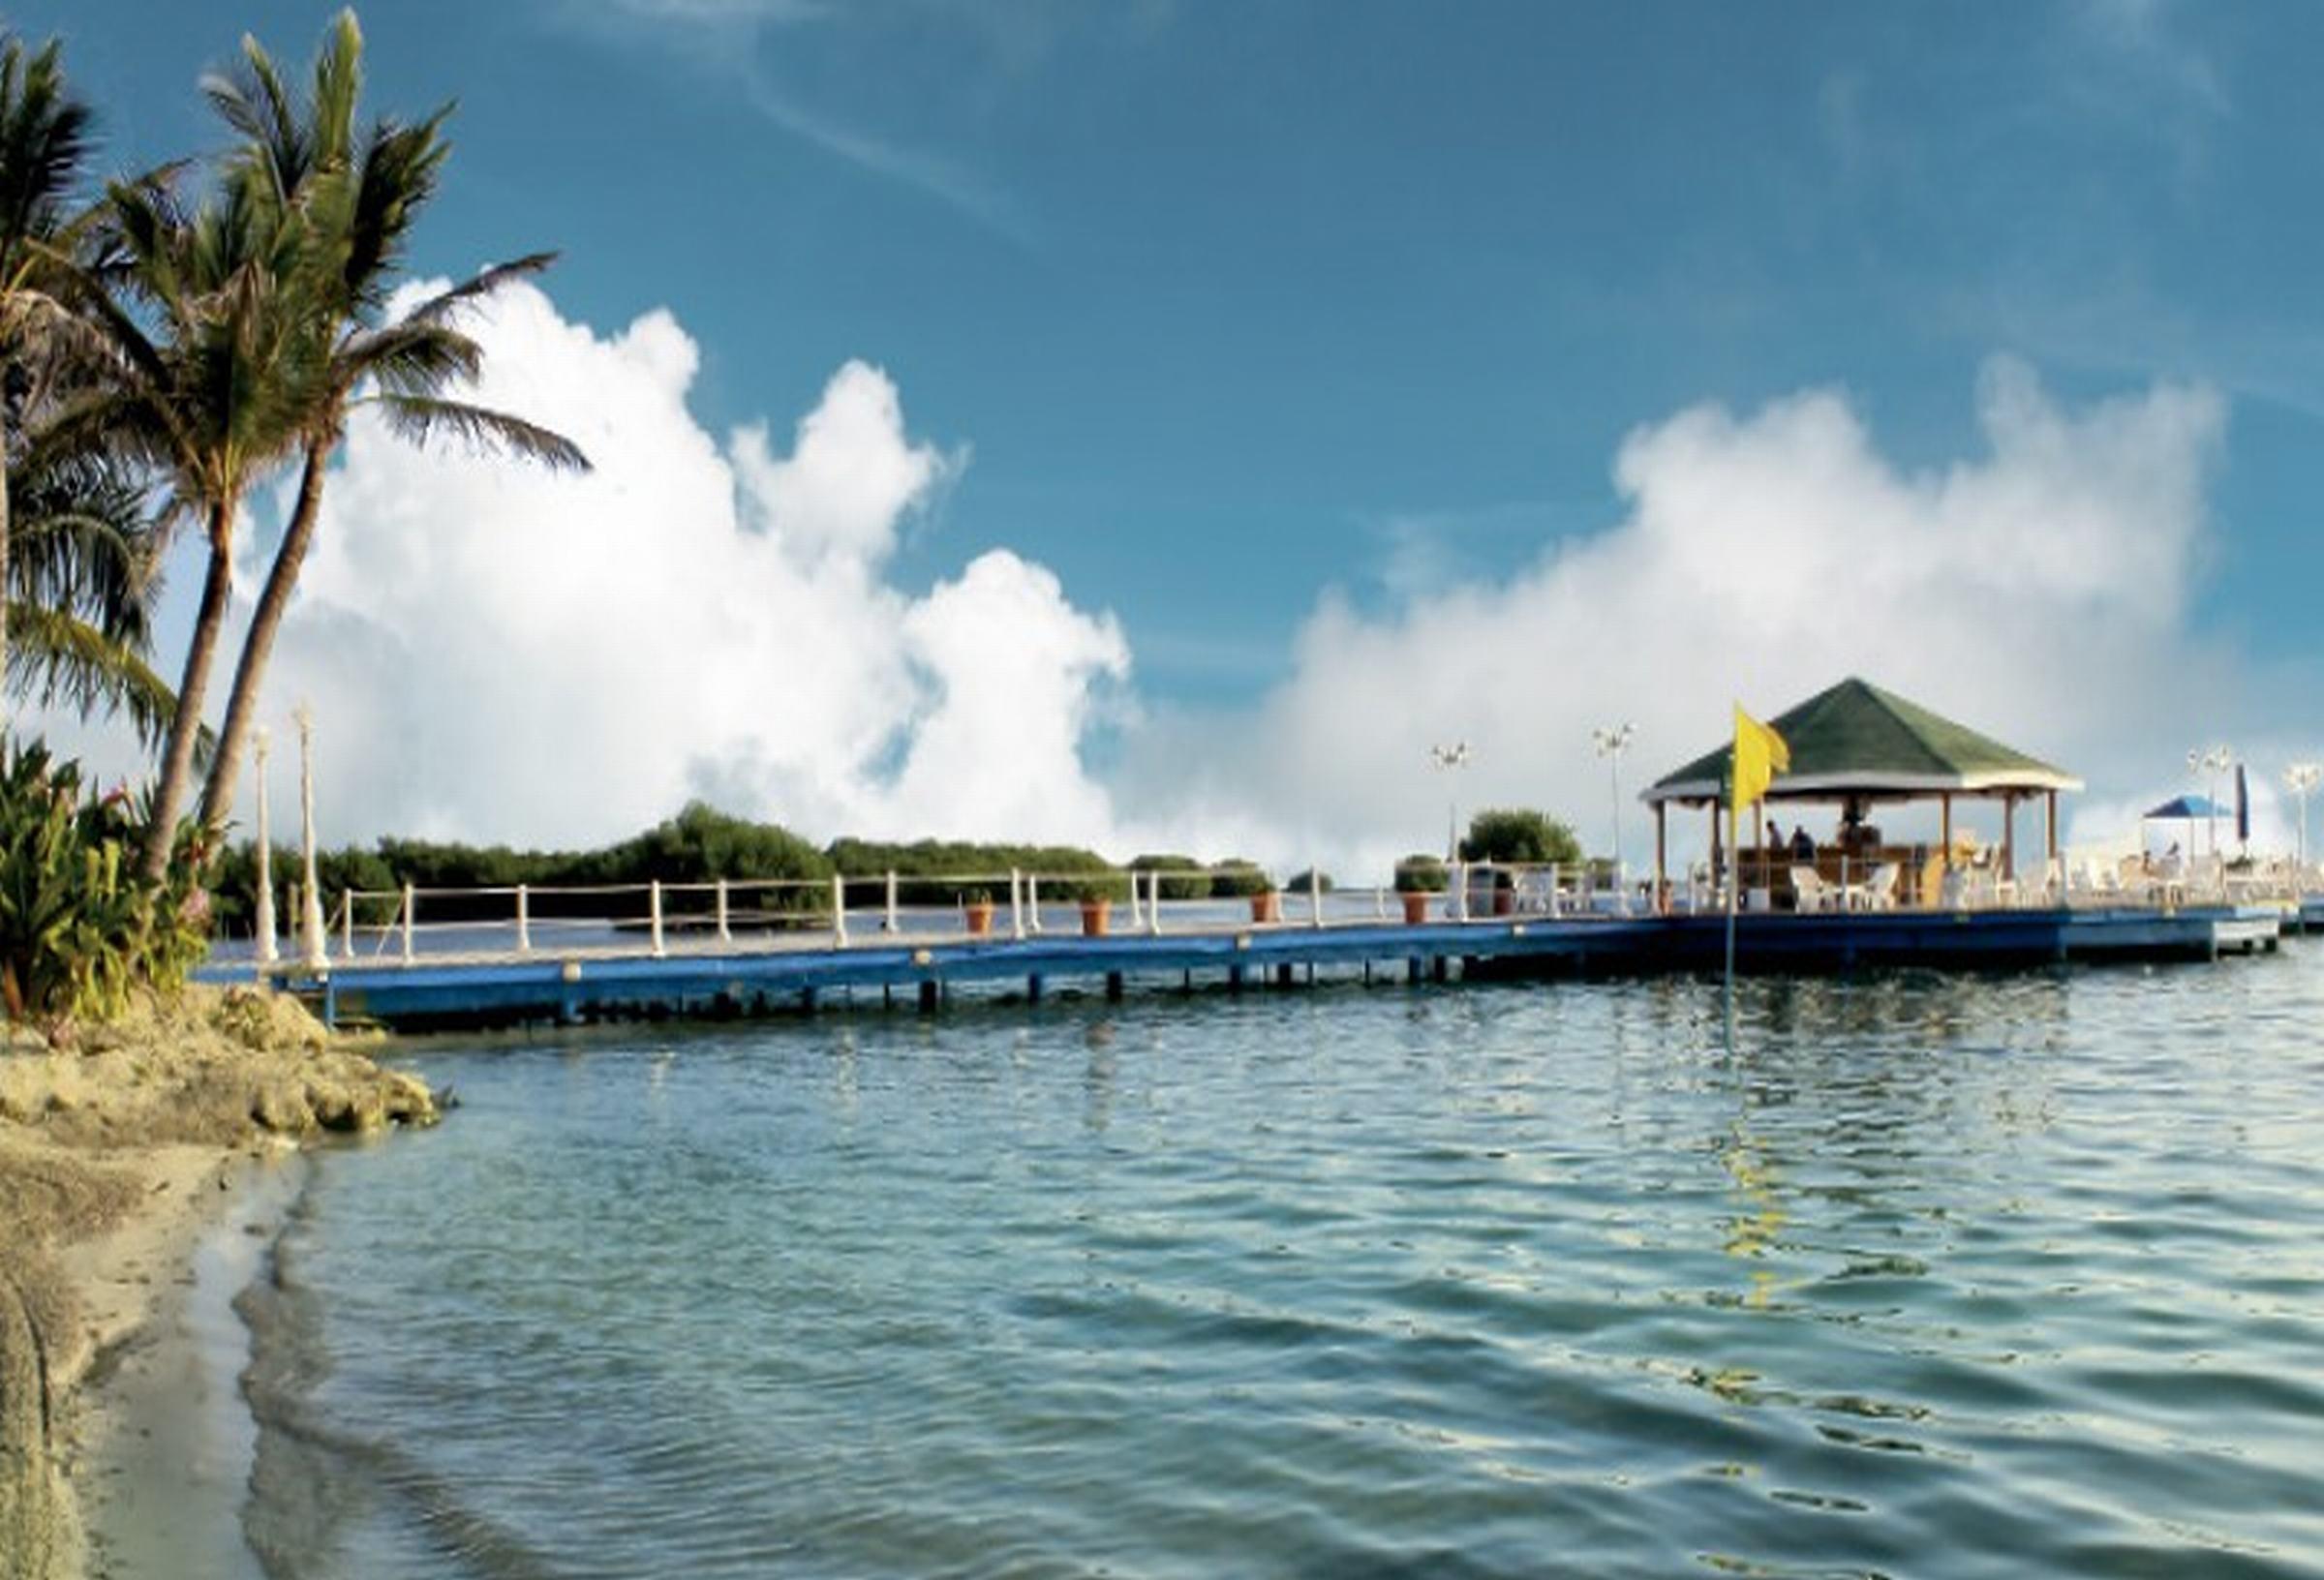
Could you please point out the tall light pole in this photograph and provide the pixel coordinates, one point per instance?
(2299, 778)
(2214, 762)
(310, 910)
(1611, 742)
(1447, 759)
(264, 925)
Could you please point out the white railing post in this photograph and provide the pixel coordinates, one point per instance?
(1017, 904)
(410, 917)
(839, 911)
(347, 920)
(1379, 902)
(1137, 911)
(654, 918)
(1032, 901)
(1315, 894)
(895, 925)
(1153, 904)
(725, 914)
(1460, 891)
(523, 919)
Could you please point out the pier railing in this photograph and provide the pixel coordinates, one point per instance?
(854, 910)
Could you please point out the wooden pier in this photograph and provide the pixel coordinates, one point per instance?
(783, 974)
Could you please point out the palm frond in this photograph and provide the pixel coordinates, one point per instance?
(420, 418)
(57, 660)
(443, 304)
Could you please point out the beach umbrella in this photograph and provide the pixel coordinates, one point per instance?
(2242, 808)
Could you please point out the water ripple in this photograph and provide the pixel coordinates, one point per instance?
(1922, 1276)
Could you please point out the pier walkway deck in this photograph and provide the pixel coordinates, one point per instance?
(616, 973)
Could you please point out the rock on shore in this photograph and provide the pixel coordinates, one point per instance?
(217, 1068)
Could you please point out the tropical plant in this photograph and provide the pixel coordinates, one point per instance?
(217, 350)
(357, 193)
(79, 928)
(1519, 836)
(43, 142)
(1420, 875)
(1234, 878)
(82, 582)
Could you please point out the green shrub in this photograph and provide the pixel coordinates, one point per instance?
(1302, 882)
(1420, 875)
(79, 926)
(1234, 878)
(1518, 834)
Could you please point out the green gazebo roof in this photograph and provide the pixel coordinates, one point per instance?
(1857, 739)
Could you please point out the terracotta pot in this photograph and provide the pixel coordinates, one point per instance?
(1094, 915)
(1416, 907)
(1266, 907)
(980, 918)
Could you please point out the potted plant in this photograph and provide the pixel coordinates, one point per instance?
(1417, 877)
(976, 904)
(1266, 901)
(1097, 909)
(1505, 891)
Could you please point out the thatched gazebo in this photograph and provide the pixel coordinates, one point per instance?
(1857, 745)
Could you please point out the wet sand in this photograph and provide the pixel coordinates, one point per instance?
(136, 1164)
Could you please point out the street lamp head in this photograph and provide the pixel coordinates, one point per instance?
(1613, 739)
(1456, 755)
(2302, 778)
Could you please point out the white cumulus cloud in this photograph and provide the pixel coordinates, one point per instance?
(500, 653)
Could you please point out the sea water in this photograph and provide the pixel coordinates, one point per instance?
(1904, 1275)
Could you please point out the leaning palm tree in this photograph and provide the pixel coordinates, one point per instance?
(216, 345)
(43, 142)
(362, 192)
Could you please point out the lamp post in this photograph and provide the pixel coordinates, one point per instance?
(264, 925)
(1447, 759)
(1611, 742)
(2299, 778)
(310, 912)
(2214, 763)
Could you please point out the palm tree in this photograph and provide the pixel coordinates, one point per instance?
(43, 141)
(362, 194)
(213, 374)
(83, 581)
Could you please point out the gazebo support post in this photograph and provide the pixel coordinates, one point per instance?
(2050, 817)
(1718, 870)
(1945, 802)
(1662, 883)
(2009, 835)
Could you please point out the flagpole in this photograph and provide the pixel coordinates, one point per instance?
(1734, 870)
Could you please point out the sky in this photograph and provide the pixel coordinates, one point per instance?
(1156, 424)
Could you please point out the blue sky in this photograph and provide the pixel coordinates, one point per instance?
(1233, 311)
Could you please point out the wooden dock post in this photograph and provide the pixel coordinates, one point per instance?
(927, 995)
(1032, 987)
(1113, 986)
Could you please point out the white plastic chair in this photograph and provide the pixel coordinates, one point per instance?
(1815, 894)
(1879, 889)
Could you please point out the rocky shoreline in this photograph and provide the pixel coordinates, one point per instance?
(114, 1147)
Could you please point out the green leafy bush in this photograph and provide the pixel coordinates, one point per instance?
(1302, 882)
(1518, 834)
(1234, 878)
(1420, 875)
(78, 927)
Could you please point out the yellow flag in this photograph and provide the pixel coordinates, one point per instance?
(1760, 756)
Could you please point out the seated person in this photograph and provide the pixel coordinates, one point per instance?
(1803, 848)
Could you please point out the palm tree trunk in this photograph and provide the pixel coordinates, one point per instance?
(4, 527)
(250, 673)
(177, 761)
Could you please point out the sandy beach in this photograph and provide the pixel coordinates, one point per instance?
(141, 1165)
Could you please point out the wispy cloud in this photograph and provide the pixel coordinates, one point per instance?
(725, 40)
